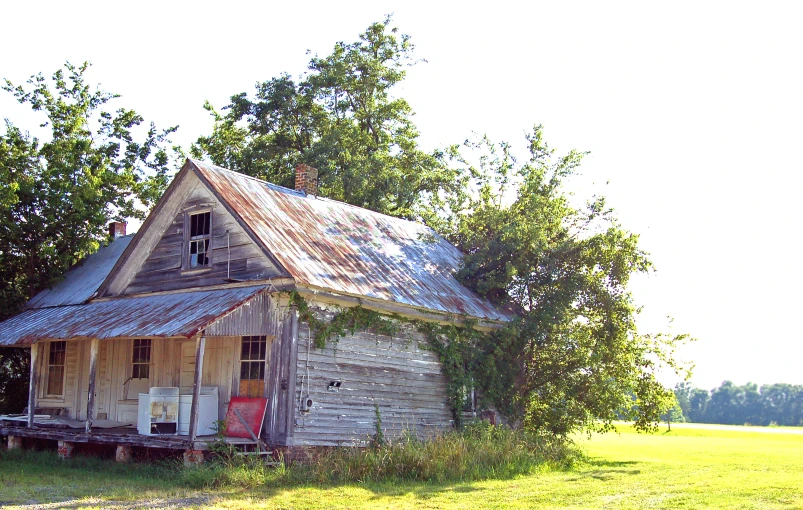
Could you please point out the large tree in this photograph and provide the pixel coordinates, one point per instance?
(342, 118)
(573, 358)
(58, 194)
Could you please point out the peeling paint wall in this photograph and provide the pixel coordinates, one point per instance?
(396, 375)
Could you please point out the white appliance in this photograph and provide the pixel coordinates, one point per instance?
(207, 412)
(157, 411)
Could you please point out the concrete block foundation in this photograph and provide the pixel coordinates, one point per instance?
(66, 450)
(14, 442)
(193, 458)
(123, 453)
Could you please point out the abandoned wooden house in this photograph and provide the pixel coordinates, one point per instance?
(195, 309)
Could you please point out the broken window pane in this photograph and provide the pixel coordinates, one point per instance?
(199, 235)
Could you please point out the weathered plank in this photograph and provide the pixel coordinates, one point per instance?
(35, 348)
(233, 254)
(196, 385)
(393, 374)
(94, 347)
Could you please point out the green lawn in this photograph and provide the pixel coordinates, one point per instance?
(685, 468)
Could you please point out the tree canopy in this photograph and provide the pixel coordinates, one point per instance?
(573, 357)
(342, 118)
(732, 404)
(58, 195)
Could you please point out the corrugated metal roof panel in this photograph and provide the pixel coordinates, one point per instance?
(167, 315)
(83, 279)
(348, 249)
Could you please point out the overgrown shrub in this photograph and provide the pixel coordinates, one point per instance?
(478, 451)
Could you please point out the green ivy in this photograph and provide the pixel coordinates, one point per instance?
(346, 321)
(457, 346)
(456, 349)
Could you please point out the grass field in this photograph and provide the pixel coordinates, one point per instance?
(739, 467)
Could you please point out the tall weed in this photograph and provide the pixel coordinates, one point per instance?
(478, 451)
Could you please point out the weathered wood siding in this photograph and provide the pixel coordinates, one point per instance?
(233, 253)
(395, 375)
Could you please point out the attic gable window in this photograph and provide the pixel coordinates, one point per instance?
(199, 230)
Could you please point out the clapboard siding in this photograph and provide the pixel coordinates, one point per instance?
(394, 375)
(233, 254)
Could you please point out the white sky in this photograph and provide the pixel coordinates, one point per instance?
(691, 112)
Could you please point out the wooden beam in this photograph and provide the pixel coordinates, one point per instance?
(200, 344)
(35, 348)
(292, 366)
(94, 347)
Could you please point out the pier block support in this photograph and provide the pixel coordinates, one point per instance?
(123, 453)
(66, 450)
(14, 442)
(193, 458)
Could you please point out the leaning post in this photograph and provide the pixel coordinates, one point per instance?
(35, 348)
(94, 346)
(200, 345)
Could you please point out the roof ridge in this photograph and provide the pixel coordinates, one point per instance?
(301, 194)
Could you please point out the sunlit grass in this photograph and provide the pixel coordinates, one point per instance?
(685, 468)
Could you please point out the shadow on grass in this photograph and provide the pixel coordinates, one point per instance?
(600, 462)
(606, 469)
(32, 479)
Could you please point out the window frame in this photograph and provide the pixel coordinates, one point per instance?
(188, 239)
(48, 370)
(134, 360)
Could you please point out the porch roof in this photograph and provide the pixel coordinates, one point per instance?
(167, 315)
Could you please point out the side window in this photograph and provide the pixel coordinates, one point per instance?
(199, 233)
(141, 359)
(56, 359)
(252, 366)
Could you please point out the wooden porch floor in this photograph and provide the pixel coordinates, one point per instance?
(63, 429)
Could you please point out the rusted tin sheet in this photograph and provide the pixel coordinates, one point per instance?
(83, 279)
(343, 248)
(167, 315)
(259, 316)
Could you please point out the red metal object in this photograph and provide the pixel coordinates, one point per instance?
(253, 412)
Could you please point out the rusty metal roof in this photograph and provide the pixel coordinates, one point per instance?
(83, 279)
(167, 315)
(347, 249)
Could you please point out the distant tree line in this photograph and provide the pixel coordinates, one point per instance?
(731, 404)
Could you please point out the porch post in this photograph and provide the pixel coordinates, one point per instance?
(32, 383)
(94, 346)
(200, 344)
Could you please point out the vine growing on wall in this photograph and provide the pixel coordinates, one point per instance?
(457, 346)
(346, 321)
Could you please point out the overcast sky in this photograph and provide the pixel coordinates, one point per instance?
(691, 111)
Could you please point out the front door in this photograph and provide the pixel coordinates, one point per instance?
(252, 366)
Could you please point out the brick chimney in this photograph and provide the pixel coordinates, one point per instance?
(116, 229)
(306, 179)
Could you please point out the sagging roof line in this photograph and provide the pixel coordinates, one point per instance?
(164, 316)
(381, 304)
(278, 286)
